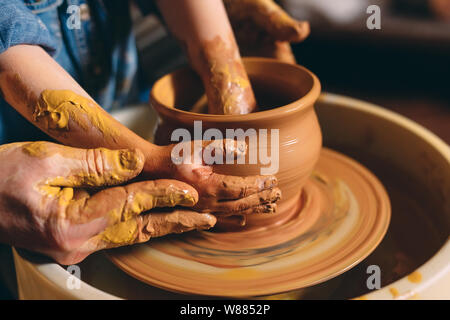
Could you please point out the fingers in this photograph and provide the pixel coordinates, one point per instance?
(154, 224)
(111, 217)
(200, 152)
(268, 208)
(234, 221)
(73, 167)
(101, 167)
(269, 17)
(120, 204)
(230, 223)
(252, 204)
(233, 187)
(248, 203)
(223, 149)
(178, 221)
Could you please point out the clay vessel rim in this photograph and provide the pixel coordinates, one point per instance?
(300, 104)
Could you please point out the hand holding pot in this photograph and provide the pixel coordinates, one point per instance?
(47, 202)
(223, 195)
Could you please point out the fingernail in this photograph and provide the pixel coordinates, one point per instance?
(208, 221)
(186, 199)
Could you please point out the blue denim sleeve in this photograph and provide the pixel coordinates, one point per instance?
(18, 25)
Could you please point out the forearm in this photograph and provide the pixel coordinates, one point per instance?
(30, 81)
(205, 32)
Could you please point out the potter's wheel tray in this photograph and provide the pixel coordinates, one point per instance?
(342, 215)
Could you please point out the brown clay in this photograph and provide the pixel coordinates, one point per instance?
(227, 86)
(340, 218)
(212, 52)
(291, 88)
(333, 214)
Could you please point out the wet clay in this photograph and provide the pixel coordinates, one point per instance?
(75, 194)
(394, 292)
(226, 82)
(120, 233)
(119, 166)
(415, 277)
(341, 216)
(333, 212)
(151, 225)
(36, 149)
(291, 87)
(56, 107)
(413, 237)
(416, 232)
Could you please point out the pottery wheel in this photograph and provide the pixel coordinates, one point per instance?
(342, 215)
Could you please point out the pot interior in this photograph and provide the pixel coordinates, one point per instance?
(274, 84)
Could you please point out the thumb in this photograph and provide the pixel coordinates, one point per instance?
(94, 167)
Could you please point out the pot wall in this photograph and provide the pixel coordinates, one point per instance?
(286, 96)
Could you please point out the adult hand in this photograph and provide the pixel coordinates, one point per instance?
(48, 201)
(262, 28)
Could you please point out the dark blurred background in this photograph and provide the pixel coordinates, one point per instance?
(404, 66)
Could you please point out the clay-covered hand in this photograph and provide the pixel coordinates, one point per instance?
(50, 201)
(223, 195)
(203, 29)
(262, 28)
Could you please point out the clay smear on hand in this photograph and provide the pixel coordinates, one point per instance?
(226, 82)
(117, 166)
(122, 207)
(125, 225)
(55, 108)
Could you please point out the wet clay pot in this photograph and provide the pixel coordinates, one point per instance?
(285, 94)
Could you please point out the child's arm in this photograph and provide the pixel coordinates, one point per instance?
(32, 82)
(204, 30)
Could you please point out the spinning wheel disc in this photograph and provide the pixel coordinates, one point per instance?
(341, 217)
